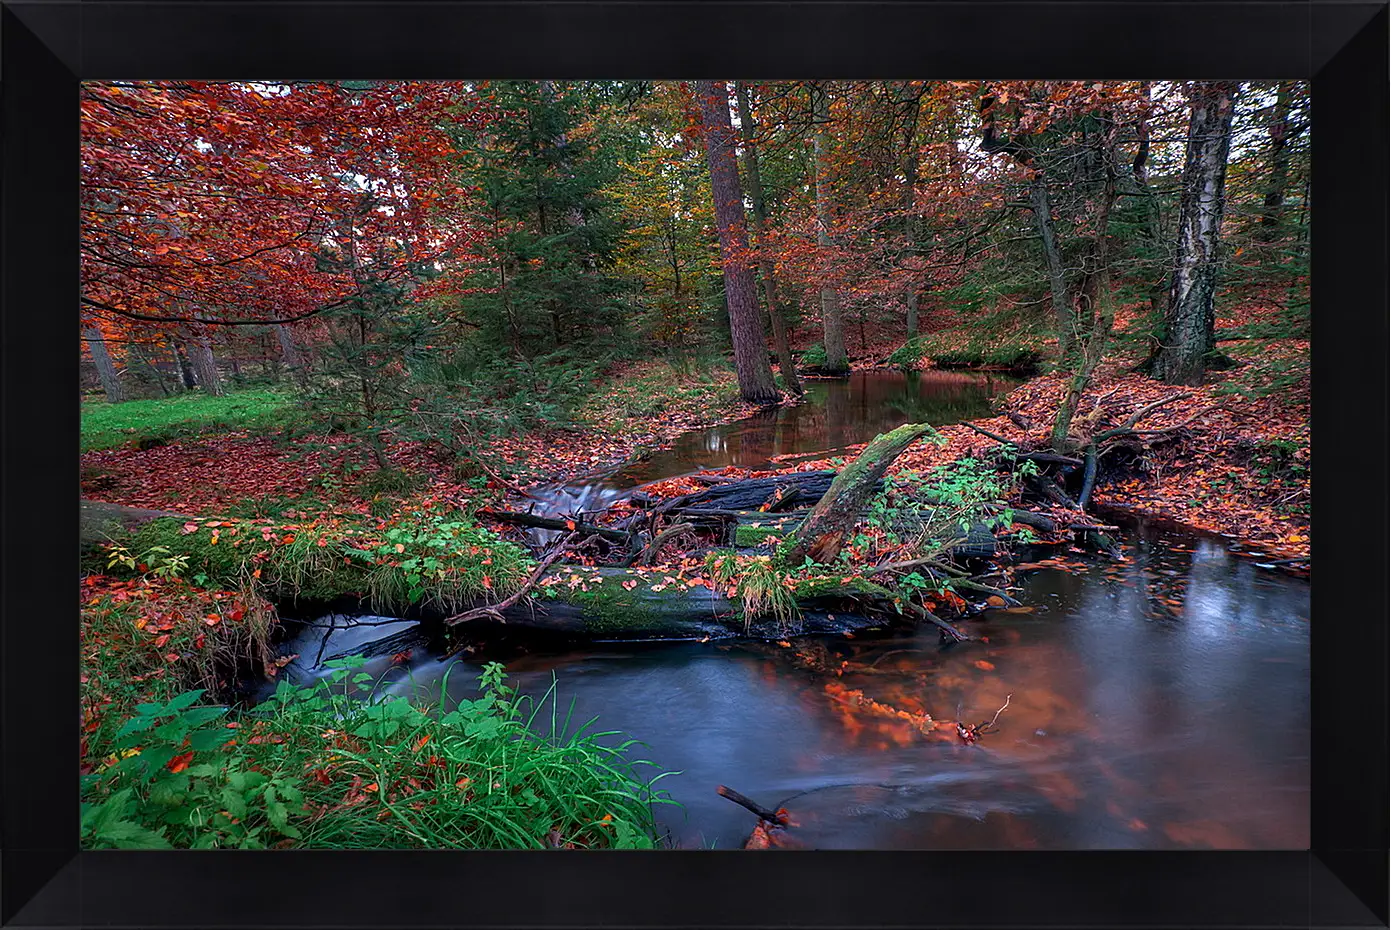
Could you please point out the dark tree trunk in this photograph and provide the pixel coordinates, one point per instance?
(1057, 277)
(786, 365)
(1154, 221)
(185, 369)
(746, 329)
(106, 368)
(1188, 326)
(832, 327)
(1280, 138)
(910, 204)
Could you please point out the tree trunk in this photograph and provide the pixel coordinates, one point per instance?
(290, 353)
(1096, 298)
(786, 365)
(822, 534)
(1057, 278)
(746, 329)
(910, 222)
(106, 368)
(1188, 326)
(833, 336)
(1280, 138)
(185, 369)
(206, 366)
(1154, 221)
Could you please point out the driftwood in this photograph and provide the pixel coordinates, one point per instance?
(751, 805)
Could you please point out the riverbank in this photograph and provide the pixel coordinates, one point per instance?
(184, 466)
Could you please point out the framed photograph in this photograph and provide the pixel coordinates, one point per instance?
(718, 464)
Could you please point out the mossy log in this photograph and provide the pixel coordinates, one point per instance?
(101, 522)
(822, 534)
(623, 603)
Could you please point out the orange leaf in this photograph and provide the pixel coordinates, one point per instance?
(161, 640)
(180, 762)
(986, 666)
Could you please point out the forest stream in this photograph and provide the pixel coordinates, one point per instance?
(1161, 701)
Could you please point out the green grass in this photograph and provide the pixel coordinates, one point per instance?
(106, 426)
(337, 765)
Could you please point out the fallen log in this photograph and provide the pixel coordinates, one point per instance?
(552, 523)
(100, 521)
(822, 534)
(751, 493)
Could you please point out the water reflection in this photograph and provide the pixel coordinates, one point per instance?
(1158, 702)
(1123, 730)
(835, 414)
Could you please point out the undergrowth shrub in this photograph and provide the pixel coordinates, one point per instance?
(338, 765)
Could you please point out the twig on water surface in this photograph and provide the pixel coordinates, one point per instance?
(972, 733)
(775, 817)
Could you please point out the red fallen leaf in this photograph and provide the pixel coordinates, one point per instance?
(321, 776)
(212, 620)
(199, 641)
(569, 524)
(487, 582)
(415, 747)
(161, 640)
(189, 528)
(180, 762)
(402, 656)
(323, 541)
(986, 666)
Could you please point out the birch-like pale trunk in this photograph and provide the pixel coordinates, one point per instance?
(1189, 323)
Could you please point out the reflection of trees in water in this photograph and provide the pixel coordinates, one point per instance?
(835, 414)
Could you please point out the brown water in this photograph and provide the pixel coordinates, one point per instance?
(835, 413)
(1160, 702)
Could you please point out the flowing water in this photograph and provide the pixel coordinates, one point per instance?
(1158, 702)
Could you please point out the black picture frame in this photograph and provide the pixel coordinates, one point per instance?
(47, 47)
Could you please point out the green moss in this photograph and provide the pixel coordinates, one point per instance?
(830, 586)
(747, 536)
(432, 563)
(610, 608)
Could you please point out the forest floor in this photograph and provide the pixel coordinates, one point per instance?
(1241, 468)
(210, 462)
